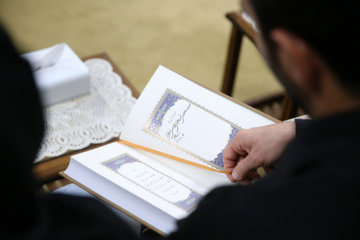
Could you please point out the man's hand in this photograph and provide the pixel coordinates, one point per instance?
(256, 147)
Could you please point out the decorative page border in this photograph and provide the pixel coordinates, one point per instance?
(168, 100)
(186, 205)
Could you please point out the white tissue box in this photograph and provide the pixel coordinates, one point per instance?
(66, 79)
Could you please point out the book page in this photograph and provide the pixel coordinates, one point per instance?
(163, 188)
(176, 116)
(144, 174)
(177, 121)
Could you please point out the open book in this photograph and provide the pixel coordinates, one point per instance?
(175, 116)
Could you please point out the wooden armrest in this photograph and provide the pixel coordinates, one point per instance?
(238, 20)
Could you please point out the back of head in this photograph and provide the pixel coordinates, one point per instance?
(328, 26)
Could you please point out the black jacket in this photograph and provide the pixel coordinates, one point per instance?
(313, 194)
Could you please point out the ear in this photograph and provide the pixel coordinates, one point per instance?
(297, 58)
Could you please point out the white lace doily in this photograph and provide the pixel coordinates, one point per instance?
(93, 118)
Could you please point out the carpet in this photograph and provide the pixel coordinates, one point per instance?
(189, 37)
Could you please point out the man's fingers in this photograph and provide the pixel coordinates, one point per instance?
(250, 178)
(229, 176)
(232, 156)
(230, 167)
(254, 175)
(243, 168)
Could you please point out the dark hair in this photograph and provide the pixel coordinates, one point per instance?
(328, 26)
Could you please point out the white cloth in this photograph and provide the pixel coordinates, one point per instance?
(60, 74)
(91, 119)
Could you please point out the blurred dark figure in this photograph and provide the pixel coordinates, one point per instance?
(24, 214)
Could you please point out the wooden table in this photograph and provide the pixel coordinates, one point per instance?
(48, 170)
